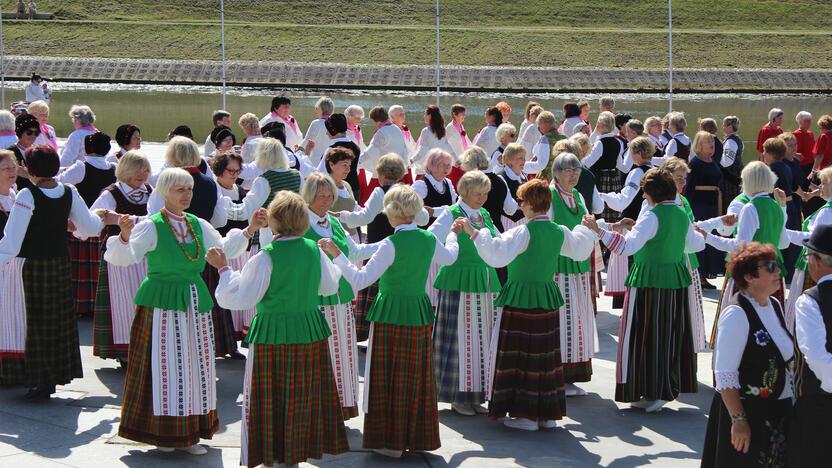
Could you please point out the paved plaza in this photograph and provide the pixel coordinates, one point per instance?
(78, 426)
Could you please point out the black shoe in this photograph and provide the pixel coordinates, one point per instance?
(237, 355)
(122, 362)
(707, 285)
(40, 393)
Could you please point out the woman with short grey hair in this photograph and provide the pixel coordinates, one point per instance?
(398, 117)
(317, 133)
(7, 135)
(82, 120)
(474, 159)
(354, 115)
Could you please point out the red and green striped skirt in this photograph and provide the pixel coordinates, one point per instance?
(291, 409)
(85, 256)
(400, 389)
(363, 303)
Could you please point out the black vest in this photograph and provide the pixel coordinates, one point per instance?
(21, 182)
(806, 383)
(612, 149)
(233, 224)
(634, 208)
(513, 185)
(379, 228)
(761, 359)
(46, 235)
(682, 150)
(586, 187)
(732, 173)
(435, 199)
(496, 198)
(352, 177)
(205, 195)
(4, 217)
(124, 206)
(95, 181)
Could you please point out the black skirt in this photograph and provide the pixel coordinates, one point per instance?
(810, 431)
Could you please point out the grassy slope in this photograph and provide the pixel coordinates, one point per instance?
(465, 42)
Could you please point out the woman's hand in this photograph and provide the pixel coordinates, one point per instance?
(729, 220)
(589, 222)
(430, 211)
(700, 231)
(216, 257)
(465, 225)
(457, 226)
(259, 220)
(780, 196)
(741, 436)
(126, 224)
(329, 247)
(310, 145)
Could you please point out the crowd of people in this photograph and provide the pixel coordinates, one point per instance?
(471, 268)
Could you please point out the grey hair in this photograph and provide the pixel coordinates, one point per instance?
(354, 111)
(314, 183)
(474, 158)
(774, 113)
(6, 121)
(826, 259)
(395, 109)
(565, 161)
(325, 105)
(801, 116)
(83, 113)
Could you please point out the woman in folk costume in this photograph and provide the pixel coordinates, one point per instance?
(603, 160)
(117, 285)
(128, 138)
(465, 314)
(317, 133)
(400, 390)
(338, 165)
(40, 109)
(433, 136)
(170, 389)
(398, 117)
(525, 374)
(90, 175)
(12, 338)
(281, 111)
(355, 114)
(487, 137)
(319, 193)
(748, 423)
(457, 136)
(763, 220)
(291, 410)
(578, 332)
(43, 322)
(656, 357)
(389, 170)
(514, 175)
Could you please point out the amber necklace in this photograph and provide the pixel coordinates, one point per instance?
(572, 211)
(176, 236)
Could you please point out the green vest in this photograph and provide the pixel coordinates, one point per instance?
(802, 263)
(469, 273)
(771, 226)
(345, 293)
(553, 137)
(570, 218)
(531, 276)
(744, 199)
(401, 298)
(288, 312)
(170, 275)
(282, 180)
(694, 261)
(660, 263)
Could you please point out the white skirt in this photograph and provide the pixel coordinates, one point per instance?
(12, 309)
(475, 326)
(617, 272)
(697, 316)
(432, 292)
(124, 281)
(241, 318)
(578, 331)
(343, 351)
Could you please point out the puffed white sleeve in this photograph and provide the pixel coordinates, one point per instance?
(509, 203)
(360, 278)
(154, 203)
(594, 155)
(620, 201)
(370, 156)
(501, 250)
(422, 218)
(694, 242)
(732, 333)
(250, 171)
(426, 142)
(105, 201)
(597, 202)
(579, 243)
(73, 174)
(330, 275)
(71, 151)
(446, 253)
(747, 226)
(625, 162)
(359, 252)
(670, 149)
(729, 153)
(254, 199)
(645, 229)
(541, 151)
(442, 225)
(142, 240)
(365, 215)
(16, 226)
(244, 289)
(233, 244)
(810, 333)
(420, 187)
(87, 223)
(219, 217)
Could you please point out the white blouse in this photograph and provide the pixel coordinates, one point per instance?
(646, 228)
(597, 151)
(421, 187)
(731, 340)
(529, 137)
(75, 173)
(323, 227)
(107, 202)
(541, 153)
(487, 139)
(455, 139)
(245, 289)
(747, 226)
(249, 148)
(810, 333)
(734, 208)
(317, 133)
(427, 142)
(74, 147)
(620, 201)
(387, 139)
(372, 208)
(823, 217)
(671, 148)
(441, 227)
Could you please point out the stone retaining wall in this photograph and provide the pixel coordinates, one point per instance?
(415, 77)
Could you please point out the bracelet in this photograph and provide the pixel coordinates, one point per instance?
(738, 417)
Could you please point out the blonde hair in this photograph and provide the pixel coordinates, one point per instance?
(182, 152)
(566, 146)
(402, 202)
(605, 122)
(249, 121)
(674, 164)
(314, 183)
(270, 154)
(678, 120)
(472, 180)
(288, 214)
(825, 176)
(757, 177)
(643, 146)
(171, 177)
(504, 130)
(787, 137)
(535, 111)
(699, 139)
(391, 167)
(38, 107)
(546, 117)
(607, 101)
(474, 158)
(513, 149)
(8, 154)
(583, 142)
(652, 122)
(130, 164)
(825, 122)
(435, 156)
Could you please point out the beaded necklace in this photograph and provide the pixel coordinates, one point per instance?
(572, 211)
(182, 236)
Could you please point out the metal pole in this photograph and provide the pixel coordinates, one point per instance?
(437, 52)
(222, 36)
(2, 65)
(670, 55)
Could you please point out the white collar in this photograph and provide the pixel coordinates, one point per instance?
(313, 217)
(128, 189)
(406, 227)
(340, 140)
(760, 194)
(607, 135)
(511, 174)
(825, 278)
(467, 209)
(436, 183)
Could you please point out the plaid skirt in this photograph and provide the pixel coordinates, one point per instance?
(656, 357)
(53, 355)
(137, 419)
(85, 256)
(363, 303)
(225, 339)
(400, 389)
(609, 180)
(291, 410)
(114, 309)
(528, 374)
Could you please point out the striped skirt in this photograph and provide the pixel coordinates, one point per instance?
(656, 357)
(225, 340)
(363, 303)
(291, 410)
(617, 271)
(344, 354)
(85, 256)
(728, 297)
(400, 389)
(465, 323)
(527, 381)
(114, 308)
(697, 314)
(12, 321)
(801, 281)
(432, 292)
(170, 385)
(578, 333)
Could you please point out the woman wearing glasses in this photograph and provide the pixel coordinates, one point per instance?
(752, 363)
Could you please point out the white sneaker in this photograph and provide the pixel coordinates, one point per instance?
(574, 390)
(641, 403)
(195, 449)
(655, 406)
(165, 449)
(480, 409)
(521, 423)
(465, 410)
(389, 452)
(547, 423)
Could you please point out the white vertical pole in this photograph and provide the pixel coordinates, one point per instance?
(670, 55)
(2, 65)
(222, 40)
(437, 52)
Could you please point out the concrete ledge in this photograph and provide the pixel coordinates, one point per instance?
(414, 77)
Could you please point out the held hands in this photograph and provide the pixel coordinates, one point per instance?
(702, 231)
(329, 247)
(729, 219)
(108, 217)
(462, 224)
(780, 196)
(216, 257)
(589, 222)
(310, 145)
(430, 211)
(624, 225)
(259, 219)
(126, 224)
(457, 226)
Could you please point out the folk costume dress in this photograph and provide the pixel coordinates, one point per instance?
(603, 162)
(656, 357)
(339, 312)
(438, 195)
(170, 397)
(465, 314)
(39, 320)
(513, 182)
(263, 190)
(399, 386)
(697, 313)
(578, 331)
(117, 285)
(753, 354)
(526, 373)
(291, 410)
(801, 281)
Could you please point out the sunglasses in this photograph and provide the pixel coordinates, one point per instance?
(770, 266)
